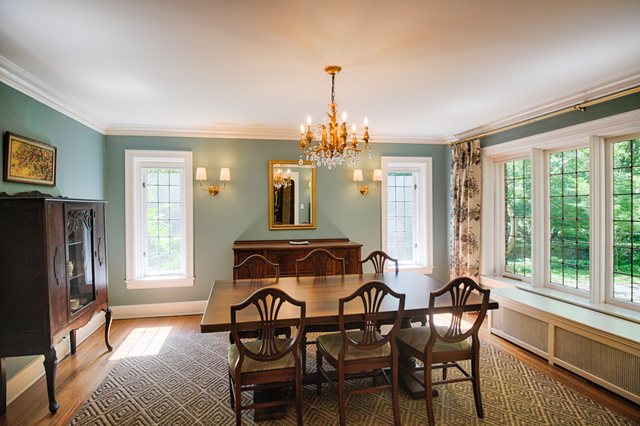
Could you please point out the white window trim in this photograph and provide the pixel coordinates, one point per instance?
(134, 161)
(537, 147)
(425, 220)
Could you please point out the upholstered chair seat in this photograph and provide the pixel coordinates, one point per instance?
(418, 337)
(332, 344)
(251, 365)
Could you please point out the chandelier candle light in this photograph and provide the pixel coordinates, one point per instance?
(332, 145)
(279, 180)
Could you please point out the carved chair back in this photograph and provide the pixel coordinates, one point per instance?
(379, 258)
(371, 294)
(268, 301)
(321, 260)
(255, 266)
(458, 290)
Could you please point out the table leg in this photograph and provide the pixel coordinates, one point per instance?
(268, 413)
(413, 388)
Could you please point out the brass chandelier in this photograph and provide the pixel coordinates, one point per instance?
(330, 147)
(279, 179)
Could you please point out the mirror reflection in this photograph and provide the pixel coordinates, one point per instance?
(292, 199)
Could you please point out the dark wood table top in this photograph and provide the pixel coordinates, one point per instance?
(321, 295)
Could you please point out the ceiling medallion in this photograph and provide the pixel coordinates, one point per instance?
(330, 147)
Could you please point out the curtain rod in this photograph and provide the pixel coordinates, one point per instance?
(578, 107)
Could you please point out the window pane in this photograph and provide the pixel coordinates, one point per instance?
(400, 216)
(569, 224)
(164, 193)
(517, 185)
(626, 215)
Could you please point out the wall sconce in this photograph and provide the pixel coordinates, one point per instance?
(357, 177)
(201, 174)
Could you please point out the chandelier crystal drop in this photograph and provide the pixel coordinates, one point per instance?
(279, 179)
(336, 143)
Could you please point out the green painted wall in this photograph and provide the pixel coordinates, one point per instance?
(80, 149)
(240, 212)
(80, 157)
(602, 110)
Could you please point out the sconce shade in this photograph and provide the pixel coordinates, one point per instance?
(377, 174)
(201, 173)
(357, 175)
(224, 174)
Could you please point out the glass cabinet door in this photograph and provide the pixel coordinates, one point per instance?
(80, 264)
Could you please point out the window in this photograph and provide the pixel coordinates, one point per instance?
(407, 223)
(159, 219)
(561, 212)
(626, 221)
(517, 185)
(569, 218)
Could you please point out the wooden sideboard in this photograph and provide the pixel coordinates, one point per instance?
(285, 254)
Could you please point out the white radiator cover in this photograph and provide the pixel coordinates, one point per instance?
(607, 360)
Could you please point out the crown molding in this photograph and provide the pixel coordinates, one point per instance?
(608, 127)
(597, 89)
(250, 132)
(17, 78)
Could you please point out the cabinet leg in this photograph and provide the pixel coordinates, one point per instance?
(107, 327)
(50, 364)
(3, 387)
(72, 341)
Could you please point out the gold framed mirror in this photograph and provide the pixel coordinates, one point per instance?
(292, 195)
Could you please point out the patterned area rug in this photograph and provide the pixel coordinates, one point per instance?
(183, 381)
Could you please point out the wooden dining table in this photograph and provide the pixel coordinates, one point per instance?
(321, 295)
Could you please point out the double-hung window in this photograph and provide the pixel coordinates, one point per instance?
(563, 214)
(159, 219)
(407, 224)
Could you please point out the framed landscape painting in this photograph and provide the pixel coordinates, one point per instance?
(29, 161)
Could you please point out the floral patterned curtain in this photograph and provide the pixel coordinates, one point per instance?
(466, 172)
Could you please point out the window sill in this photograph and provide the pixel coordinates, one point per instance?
(604, 308)
(415, 268)
(159, 282)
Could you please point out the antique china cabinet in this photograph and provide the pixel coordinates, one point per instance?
(53, 277)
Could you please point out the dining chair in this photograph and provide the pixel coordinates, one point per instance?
(379, 259)
(442, 346)
(268, 362)
(256, 267)
(321, 261)
(352, 352)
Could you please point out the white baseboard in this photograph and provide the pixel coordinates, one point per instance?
(35, 369)
(195, 307)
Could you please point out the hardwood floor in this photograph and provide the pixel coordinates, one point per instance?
(80, 374)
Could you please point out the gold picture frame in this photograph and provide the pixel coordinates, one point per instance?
(29, 161)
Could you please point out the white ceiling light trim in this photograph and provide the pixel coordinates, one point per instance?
(17, 78)
(606, 86)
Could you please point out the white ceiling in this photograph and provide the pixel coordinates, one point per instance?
(420, 70)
